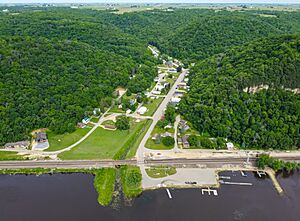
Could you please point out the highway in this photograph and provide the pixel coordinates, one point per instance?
(68, 164)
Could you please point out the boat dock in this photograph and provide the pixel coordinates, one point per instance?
(169, 193)
(209, 191)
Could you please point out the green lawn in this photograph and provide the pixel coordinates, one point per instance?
(61, 141)
(115, 109)
(5, 155)
(152, 145)
(101, 144)
(95, 119)
(152, 106)
(160, 171)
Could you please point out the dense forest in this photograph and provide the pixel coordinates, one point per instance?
(62, 65)
(57, 64)
(219, 105)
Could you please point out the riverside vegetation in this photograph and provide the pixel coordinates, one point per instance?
(104, 181)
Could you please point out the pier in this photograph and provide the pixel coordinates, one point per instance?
(169, 193)
(209, 191)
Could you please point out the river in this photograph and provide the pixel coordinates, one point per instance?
(71, 197)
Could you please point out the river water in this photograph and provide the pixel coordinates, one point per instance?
(71, 197)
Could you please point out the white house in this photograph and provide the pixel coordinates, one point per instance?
(142, 110)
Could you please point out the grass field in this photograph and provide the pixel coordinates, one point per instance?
(152, 106)
(160, 171)
(60, 141)
(5, 155)
(101, 144)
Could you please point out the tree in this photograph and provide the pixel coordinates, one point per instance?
(168, 141)
(193, 140)
(122, 122)
(170, 114)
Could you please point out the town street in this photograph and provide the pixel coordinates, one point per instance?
(158, 114)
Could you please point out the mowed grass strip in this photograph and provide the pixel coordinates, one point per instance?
(61, 141)
(6, 155)
(160, 171)
(152, 106)
(101, 144)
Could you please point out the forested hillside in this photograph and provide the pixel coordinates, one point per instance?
(194, 34)
(63, 64)
(217, 104)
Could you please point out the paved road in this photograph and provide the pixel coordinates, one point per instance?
(157, 115)
(111, 163)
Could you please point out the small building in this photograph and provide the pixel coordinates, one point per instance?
(183, 126)
(81, 125)
(175, 100)
(169, 126)
(96, 111)
(86, 120)
(142, 110)
(19, 144)
(110, 126)
(169, 64)
(156, 92)
(230, 146)
(41, 137)
(159, 87)
(184, 141)
(128, 111)
(166, 134)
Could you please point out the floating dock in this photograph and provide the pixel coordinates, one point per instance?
(209, 191)
(235, 183)
(169, 193)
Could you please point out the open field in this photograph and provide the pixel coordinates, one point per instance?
(10, 156)
(61, 141)
(102, 144)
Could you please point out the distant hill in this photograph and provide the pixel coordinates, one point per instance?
(219, 105)
(214, 34)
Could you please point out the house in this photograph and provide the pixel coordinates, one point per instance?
(156, 79)
(128, 111)
(159, 87)
(175, 100)
(230, 146)
(169, 126)
(41, 137)
(169, 64)
(184, 141)
(19, 144)
(132, 101)
(156, 92)
(142, 110)
(81, 125)
(183, 126)
(166, 134)
(96, 111)
(109, 126)
(86, 120)
(172, 70)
